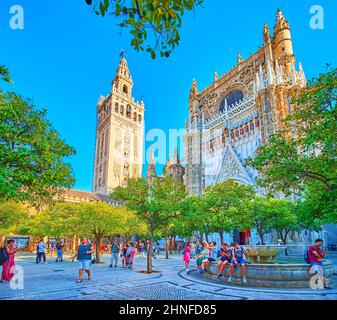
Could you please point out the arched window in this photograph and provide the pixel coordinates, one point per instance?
(122, 110)
(128, 111)
(135, 116)
(125, 89)
(116, 107)
(232, 98)
(139, 118)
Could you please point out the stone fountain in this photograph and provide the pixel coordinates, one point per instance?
(266, 270)
(264, 253)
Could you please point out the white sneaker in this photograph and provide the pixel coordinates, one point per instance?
(244, 280)
(187, 270)
(229, 279)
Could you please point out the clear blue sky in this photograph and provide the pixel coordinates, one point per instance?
(66, 57)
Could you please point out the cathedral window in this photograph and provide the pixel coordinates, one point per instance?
(128, 111)
(116, 107)
(232, 98)
(122, 110)
(139, 118)
(135, 116)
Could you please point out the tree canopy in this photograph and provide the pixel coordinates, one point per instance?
(32, 167)
(302, 158)
(153, 25)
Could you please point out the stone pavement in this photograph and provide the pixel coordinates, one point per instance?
(56, 281)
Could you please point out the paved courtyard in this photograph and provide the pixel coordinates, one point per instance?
(56, 281)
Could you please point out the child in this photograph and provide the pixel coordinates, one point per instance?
(202, 254)
(187, 256)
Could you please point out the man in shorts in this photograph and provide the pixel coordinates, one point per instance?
(85, 249)
(316, 255)
(239, 258)
(225, 259)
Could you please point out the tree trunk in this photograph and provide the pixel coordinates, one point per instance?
(150, 249)
(166, 247)
(221, 235)
(73, 246)
(206, 236)
(98, 240)
(261, 238)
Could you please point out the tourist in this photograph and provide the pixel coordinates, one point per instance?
(316, 255)
(114, 253)
(102, 248)
(239, 258)
(139, 249)
(8, 264)
(202, 254)
(52, 249)
(178, 247)
(212, 256)
(225, 259)
(124, 252)
(187, 256)
(156, 249)
(83, 255)
(130, 254)
(143, 250)
(193, 250)
(59, 249)
(41, 248)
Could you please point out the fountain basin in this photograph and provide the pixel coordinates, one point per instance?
(278, 275)
(264, 253)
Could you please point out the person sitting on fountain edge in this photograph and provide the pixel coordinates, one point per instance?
(225, 259)
(316, 255)
(239, 259)
(212, 255)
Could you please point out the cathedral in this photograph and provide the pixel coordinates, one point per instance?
(119, 134)
(240, 110)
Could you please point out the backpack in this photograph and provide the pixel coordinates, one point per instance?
(306, 257)
(3, 255)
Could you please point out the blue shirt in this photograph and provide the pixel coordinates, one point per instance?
(81, 254)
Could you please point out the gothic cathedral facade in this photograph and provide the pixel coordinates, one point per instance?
(239, 111)
(119, 135)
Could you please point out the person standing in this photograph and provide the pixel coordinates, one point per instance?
(187, 256)
(8, 266)
(130, 255)
(124, 254)
(114, 254)
(59, 249)
(316, 255)
(52, 249)
(41, 252)
(84, 252)
(143, 250)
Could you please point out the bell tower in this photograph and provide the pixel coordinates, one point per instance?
(119, 134)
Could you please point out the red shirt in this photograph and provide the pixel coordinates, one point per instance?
(312, 257)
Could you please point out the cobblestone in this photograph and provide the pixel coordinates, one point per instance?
(53, 281)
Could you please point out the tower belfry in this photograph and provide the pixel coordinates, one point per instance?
(119, 134)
